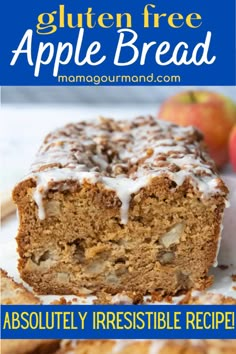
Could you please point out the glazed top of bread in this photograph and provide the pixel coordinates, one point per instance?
(125, 156)
(132, 149)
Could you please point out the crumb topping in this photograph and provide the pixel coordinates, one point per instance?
(124, 156)
(114, 148)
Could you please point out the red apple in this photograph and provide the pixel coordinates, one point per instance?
(212, 113)
(232, 148)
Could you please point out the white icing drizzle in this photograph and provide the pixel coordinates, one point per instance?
(120, 345)
(58, 175)
(215, 264)
(156, 346)
(121, 299)
(196, 342)
(38, 198)
(124, 157)
(69, 343)
(124, 188)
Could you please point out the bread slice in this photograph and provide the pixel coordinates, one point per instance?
(13, 293)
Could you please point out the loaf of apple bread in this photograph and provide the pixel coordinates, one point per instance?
(115, 206)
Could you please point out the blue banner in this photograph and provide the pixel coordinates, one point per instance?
(118, 322)
(121, 42)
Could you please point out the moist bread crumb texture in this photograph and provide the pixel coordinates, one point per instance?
(120, 207)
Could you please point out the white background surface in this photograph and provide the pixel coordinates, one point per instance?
(22, 131)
